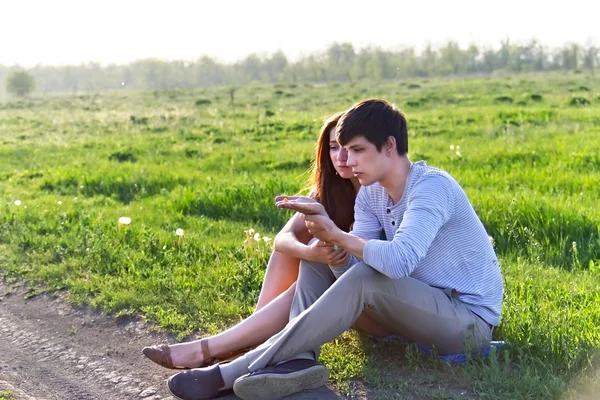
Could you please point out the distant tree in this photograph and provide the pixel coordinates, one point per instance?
(20, 83)
(339, 62)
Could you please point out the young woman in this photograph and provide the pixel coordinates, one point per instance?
(334, 186)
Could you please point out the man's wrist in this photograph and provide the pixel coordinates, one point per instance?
(338, 238)
(353, 244)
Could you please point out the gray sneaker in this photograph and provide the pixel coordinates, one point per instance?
(281, 380)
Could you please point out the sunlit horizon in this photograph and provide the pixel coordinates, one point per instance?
(70, 32)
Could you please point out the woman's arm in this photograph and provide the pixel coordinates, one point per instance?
(293, 239)
(292, 244)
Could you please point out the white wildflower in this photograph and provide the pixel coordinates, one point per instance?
(124, 220)
(451, 147)
(17, 202)
(458, 154)
(59, 202)
(179, 232)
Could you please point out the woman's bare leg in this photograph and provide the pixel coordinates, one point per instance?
(265, 322)
(252, 331)
(270, 316)
(282, 271)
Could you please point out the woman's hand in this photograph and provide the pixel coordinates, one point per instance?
(326, 253)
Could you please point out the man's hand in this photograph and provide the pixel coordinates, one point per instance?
(317, 221)
(302, 204)
(321, 227)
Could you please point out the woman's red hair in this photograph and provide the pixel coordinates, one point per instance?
(335, 193)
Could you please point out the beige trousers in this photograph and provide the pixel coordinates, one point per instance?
(324, 308)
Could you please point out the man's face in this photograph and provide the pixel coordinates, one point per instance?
(368, 164)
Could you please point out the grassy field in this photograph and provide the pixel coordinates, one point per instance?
(525, 148)
(6, 395)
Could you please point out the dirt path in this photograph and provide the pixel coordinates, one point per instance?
(51, 350)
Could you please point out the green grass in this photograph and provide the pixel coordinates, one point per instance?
(526, 154)
(6, 395)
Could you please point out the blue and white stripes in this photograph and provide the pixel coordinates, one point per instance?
(436, 237)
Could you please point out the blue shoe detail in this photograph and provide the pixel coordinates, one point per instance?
(461, 358)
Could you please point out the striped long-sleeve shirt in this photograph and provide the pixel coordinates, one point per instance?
(433, 235)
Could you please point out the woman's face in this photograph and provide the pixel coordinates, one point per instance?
(339, 156)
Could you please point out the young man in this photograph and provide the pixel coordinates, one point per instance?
(435, 280)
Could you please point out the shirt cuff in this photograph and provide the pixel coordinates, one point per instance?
(369, 249)
(339, 271)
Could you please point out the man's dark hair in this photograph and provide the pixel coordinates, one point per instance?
(376, 120)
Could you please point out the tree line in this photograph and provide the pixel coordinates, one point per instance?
(339, 62)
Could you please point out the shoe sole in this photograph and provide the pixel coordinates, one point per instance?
(275, 386)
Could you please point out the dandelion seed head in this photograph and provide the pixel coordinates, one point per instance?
(59, 202)
(250, 231)
(17, 202)
(266, 239)
(257, 236)
(179, 232)
(124, 220)
(451, 147)
(458, 154)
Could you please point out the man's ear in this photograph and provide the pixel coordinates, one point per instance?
(390, 145)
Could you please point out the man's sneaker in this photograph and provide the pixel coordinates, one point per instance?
(281, 380)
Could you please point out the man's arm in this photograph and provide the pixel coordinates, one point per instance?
(366, 226)
(430, 206)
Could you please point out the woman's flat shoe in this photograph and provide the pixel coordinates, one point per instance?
(161, 355)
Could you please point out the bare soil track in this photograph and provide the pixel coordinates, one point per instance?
(52, 350)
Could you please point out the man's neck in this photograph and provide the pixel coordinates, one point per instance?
(395, 179)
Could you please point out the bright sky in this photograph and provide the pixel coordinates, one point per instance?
(76, 31)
